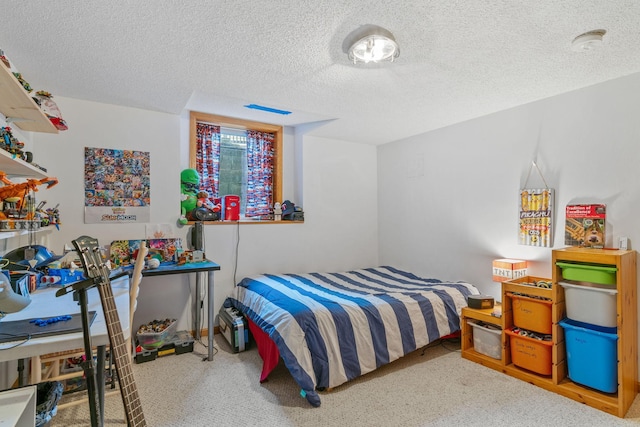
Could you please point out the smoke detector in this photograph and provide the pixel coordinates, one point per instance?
(588, 41)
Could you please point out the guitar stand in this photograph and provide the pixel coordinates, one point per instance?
(95, 393)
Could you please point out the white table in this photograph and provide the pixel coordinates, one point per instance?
(44, 303)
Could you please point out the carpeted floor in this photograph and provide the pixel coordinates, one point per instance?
(431, 388)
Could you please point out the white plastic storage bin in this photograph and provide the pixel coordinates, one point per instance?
(590, 304)
(487, 340)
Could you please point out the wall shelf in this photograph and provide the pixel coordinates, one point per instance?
(16, 233)
(19, 108)
(13, 166)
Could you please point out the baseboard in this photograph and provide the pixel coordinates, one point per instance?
(205, 332)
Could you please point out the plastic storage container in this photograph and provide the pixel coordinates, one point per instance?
(487, 340)
(590, 304)
(592, 356)
(153, 340)
(601, 274)
(533, 314)
(530, 353)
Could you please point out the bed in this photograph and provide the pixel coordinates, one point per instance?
(330, 328)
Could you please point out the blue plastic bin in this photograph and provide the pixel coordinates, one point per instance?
(592, 355)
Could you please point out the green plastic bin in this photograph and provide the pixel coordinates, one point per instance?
(601, 274)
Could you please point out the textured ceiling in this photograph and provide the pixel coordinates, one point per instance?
(459, 59)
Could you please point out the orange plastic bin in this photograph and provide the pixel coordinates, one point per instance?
(533, 314)
(530, 353)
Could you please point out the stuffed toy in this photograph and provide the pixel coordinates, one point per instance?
(195, 204)
(205, 209)
(189, 188)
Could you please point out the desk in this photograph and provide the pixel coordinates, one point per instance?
(194, 267)
(44, 303)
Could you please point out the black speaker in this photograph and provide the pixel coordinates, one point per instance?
(197, 236)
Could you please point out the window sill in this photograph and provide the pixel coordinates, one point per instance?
(247, 221)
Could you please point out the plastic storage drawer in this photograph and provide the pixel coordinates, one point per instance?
(533, 314)
(592, 355)
(487, 340)
(530, 353)
(601, 274)
(590, 304)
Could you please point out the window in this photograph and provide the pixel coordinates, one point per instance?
(240, 158)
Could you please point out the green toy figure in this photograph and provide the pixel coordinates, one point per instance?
(189, 188)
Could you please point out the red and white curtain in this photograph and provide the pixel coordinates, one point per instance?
(260, 156)
(208, 157)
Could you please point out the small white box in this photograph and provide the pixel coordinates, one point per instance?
(590, 304)
(486, 340)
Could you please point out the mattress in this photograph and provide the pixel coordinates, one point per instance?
(332, 327)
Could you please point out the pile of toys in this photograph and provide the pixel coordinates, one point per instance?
(43, 99)
(18, 206)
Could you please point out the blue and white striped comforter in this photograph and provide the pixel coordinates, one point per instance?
(333, 327)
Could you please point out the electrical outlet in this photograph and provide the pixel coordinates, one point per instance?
(624, 243)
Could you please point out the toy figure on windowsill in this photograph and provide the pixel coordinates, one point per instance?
(205, 209)
(195, 204)
(189, 187)
(277, 211)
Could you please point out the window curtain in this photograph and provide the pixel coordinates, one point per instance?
(208, 157)
(260, 155)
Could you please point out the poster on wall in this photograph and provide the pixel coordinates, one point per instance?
(585, 225)
(116, 186)
(536, 217)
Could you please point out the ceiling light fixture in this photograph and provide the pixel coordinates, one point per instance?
(371, 43)
(588, 41)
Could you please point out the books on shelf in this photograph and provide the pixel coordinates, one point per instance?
(585, 225)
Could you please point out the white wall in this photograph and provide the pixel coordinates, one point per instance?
(339, 185)
(448, 199)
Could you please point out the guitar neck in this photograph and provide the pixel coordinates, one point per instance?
(128, 389)
(95, 268)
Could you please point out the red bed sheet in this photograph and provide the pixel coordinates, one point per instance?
(266, 349)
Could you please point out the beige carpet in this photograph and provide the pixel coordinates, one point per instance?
(437, 388)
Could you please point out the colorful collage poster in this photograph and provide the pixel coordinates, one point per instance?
(585, 225)
(116, 186)
(536, 217)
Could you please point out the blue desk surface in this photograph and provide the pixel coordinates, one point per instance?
(174, 268)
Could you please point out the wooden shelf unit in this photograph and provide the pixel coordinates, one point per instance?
(558, 382)
(466, 331)
(19, 108)
(626, 321)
